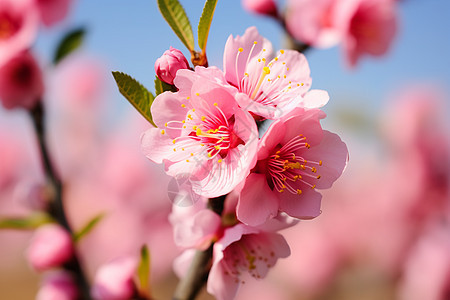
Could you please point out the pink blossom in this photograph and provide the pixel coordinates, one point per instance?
(18, 27)
(169, 63)
(202, 133)
(295, 157)
(114, 281)
(362, 26)
(53, 11)
(427, 274)
(264, 7)
(50, 247)
(58, 286)
(269, 88)
(21, 82)
(242, 254)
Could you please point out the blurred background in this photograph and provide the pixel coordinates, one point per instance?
(383, 232)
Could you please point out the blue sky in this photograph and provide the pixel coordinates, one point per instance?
(131, 34)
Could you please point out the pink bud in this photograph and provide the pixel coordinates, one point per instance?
(58, 286)
(50, 247)
(114, 281)
(263, 7)
(21, 82)
(169, 63)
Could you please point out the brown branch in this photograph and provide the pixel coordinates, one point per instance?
(55, 205)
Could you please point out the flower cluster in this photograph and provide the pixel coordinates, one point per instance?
(207, 132)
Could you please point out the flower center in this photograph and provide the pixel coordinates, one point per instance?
(288, 170)
(8, 26)
(211, 130)
(250, 255)
(261, 83)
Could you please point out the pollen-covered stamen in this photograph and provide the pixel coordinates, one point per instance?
(249, 255)
(289, 171)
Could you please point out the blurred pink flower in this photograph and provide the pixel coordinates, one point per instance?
(264, 7)
(202, 133)
(51, 246)
(53, 11)
(58, 285)
(269, 88)
(18, 27)
(241, 254)
(362, 26)
(427, 270)
(295, 157)
(21, 83)
(169, 63)
(114, 281)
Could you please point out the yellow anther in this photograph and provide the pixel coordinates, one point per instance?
(217, 147)
(266, 70)
(182, 149)
(259, 59)
(187, 98)
(194, 127)
(307, 145)
(278, 152)
(219, 161)
(255, 42)
(287, 69)
(320, 162)
(165, 124)
(203, 118)
(264, 50)
(192, 154)
(299, 192)
(263, 59)
(282, 51)
(209, 155)
(313, 187)
(189, 116)
(281, 191)
(284, 76)
(174, 150)
(246, 74)
(284, 62)
(298, 84)
(187, 160)
(302, 167)
(203, 145)
(302, 84)
(313, 169)
(163, 131)
(183, 121)
(199, 132)
(174, 141)
(240, 49)
(277, 156)
(183, 105)
(276, 58)
(193, 110)
(279, 76)
(215, 104)
(184, 126)
(197, 94)
(318, 176)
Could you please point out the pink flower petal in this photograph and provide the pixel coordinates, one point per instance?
(257, 202)
(304, 206)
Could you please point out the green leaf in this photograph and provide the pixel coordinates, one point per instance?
(87, 228)
(205, 23)
(136, 94)
(144, 271)
(175, 15)
(70, 42)
(161, 87)
(31, 222)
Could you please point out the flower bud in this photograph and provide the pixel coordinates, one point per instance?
(50, 247)
(169, 63)
(114, 281)
(263, 7)
(58, 286)
(21, 82)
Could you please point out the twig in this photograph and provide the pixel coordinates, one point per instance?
(56, 206)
